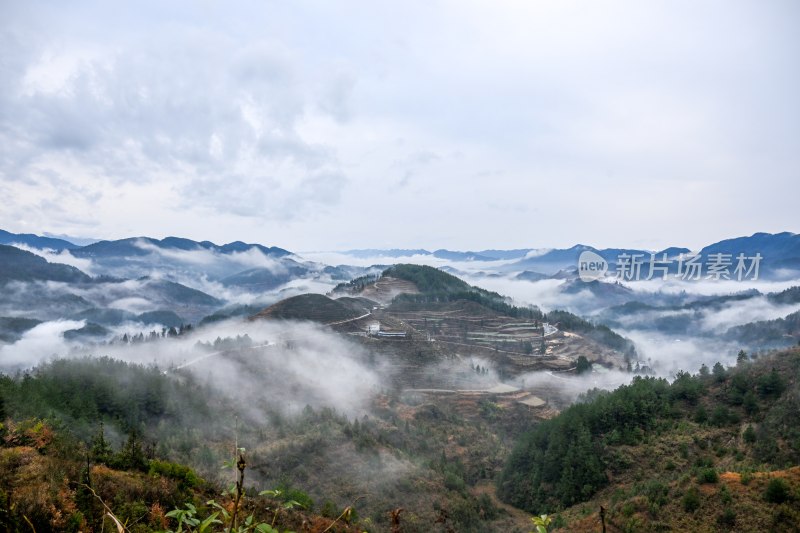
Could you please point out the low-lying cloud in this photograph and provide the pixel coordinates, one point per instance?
(63, 257)
(286, 365)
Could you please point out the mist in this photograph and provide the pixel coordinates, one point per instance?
(63, 257)
(41, 343)
(284, 366)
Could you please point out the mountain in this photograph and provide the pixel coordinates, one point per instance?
(140, 246)
(673, 252)
(506, 254)
(166, 318)
(263, 279)
(114, 317)
(35, 241)
(701, 453)
(12, 328)
(462, 256)
(19, 265)
(530, 275)
(314, 307)
(777, 333)
(177, 294)
(105, 317)
(609, 293)
(779, 251)
(556, 260)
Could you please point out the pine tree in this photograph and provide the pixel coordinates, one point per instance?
(132, 455)
(742, 358)
(101, 450)
(719, 372)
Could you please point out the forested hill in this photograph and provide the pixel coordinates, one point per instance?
(706, 451)
(438, 286)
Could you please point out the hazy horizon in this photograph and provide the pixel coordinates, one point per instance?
(371, 125)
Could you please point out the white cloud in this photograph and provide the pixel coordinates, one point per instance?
(37, 344)
(305, 122)
(63, 257)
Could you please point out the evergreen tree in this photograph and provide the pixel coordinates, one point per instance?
(101, 451)
(132, 455)
(583, 365)
(741, 358)
(719, 372)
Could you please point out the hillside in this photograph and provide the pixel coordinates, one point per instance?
(313, 307)
(128, 485)
(35, 241)
(264, 279)
(768, 333)
(697, 454)
(139, 246)
(428, 458)
(19, 265)
(435, 286)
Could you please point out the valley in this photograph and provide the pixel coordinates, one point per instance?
(368, 388)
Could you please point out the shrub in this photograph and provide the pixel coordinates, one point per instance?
(727, 518)
(708, 475)
(777, 491)
(691, 500)
(453, 481)
(183, 474)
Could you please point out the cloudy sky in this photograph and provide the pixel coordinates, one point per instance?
(457, 124)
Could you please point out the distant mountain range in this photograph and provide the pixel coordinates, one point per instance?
(35, 241)
(132, 245)
(109, 284)
(780, 252)
(19, 265)
(137, 246)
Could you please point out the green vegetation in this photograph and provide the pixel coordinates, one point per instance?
(437, 286)
(601, 333)
(778, 491)
(12, 328)
(314, 307)
(560, 462)
(154, 441)
(568, 459)
(356, 284)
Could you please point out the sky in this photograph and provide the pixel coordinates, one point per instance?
(436, 124)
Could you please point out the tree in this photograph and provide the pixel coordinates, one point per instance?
(750, 403)
(101, 451)
(691, 500)
(701, 415)
(583, 365)
(704, 372)
(777, 491)
(719, 372)
(771, 384)
(132, 455)
(742, 358)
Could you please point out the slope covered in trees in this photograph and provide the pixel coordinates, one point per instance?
(438, 286)
(653, 444)
(315, 307)
(19, 265)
